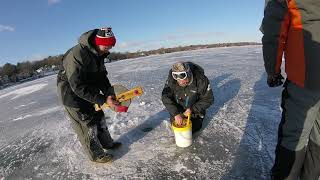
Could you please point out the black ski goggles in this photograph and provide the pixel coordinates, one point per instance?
(179, 75)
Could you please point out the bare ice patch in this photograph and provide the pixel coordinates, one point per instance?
(22, 117)
(39, 113)
(24, 105)
(24, 91)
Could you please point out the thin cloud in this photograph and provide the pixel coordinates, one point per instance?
(14, 60)
(194, 35)
(6, 28)
(35, 57)
(51, 2)
(168, 40)
(130, 44)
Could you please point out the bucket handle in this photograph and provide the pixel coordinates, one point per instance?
(188, 120)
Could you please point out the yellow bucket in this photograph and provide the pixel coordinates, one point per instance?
(183, 135)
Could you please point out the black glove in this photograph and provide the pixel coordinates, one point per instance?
(275, 80)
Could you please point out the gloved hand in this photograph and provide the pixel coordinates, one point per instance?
(115, 105)
(120, 108)
(275, 80)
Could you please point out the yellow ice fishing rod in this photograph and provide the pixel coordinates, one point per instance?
(123, 97)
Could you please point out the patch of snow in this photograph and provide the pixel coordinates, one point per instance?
(22, 117)
(24, 91)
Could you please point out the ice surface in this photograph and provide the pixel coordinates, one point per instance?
(237, 141)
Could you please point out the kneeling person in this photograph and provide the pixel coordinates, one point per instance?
(187, 91)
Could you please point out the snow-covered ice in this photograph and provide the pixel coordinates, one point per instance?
(237, 141)
(23, 91)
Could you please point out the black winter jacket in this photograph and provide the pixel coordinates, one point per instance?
(83, 75)
(198, 95)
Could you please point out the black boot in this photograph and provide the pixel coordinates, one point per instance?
(115, 145)
(288, 164)
(196, 124)
(104, 158)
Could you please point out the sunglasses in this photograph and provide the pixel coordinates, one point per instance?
(179, 75)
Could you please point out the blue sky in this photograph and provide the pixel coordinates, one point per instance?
(34, 29)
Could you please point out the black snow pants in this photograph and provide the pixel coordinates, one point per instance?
(90, 127)
(298, 148)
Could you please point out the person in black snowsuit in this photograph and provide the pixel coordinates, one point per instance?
(187, 91)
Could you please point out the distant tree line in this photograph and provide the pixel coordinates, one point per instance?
(128, 55)
(10, 73)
